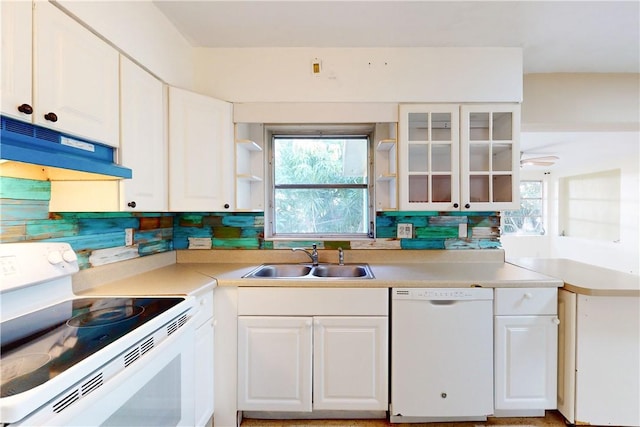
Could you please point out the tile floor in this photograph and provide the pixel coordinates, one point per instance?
(552, 419)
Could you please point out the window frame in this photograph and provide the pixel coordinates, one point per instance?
(332, 131)
(522, 199)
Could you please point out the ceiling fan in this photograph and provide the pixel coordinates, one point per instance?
(538, 161)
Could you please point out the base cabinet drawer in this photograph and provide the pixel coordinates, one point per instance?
(526, 301)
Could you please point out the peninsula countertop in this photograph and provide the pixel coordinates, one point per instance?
(583, 278)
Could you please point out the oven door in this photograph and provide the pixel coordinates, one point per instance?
(157, 392)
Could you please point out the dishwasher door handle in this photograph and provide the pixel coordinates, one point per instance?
(443, 301)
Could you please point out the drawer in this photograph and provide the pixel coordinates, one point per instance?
(526, 301)
(313, 301)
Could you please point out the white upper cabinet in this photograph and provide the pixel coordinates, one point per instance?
(143, 140)
(429, 157)
(200, 152)
(75, 78)
(15, 89)
(490, 150)
(456, 157)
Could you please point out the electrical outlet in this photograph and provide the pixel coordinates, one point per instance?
(405, 231)
(128, 236)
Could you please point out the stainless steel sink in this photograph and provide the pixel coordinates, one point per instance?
(281, 270)
(310, 272)
(347, 270)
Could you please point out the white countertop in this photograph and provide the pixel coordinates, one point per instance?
(155, 278)
(584, 278)
(446, 275)
(166, 274)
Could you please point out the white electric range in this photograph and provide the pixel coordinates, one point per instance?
(67, 360)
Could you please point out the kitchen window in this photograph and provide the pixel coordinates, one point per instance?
(528, 219)
(320, 185)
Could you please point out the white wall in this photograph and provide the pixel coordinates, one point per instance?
(141, 31)
(592, 122)
(361, 74)
(581, 102)
(582, 153)
(596, 153)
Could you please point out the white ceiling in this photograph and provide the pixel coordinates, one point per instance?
(556, 36)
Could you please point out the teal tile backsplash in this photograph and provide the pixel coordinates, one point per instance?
(25, 216)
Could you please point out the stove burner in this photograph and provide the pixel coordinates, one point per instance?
(13, 367)
(105, 316)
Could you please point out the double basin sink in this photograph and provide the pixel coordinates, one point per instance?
(309, 271)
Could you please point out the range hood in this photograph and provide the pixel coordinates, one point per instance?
(35, 152)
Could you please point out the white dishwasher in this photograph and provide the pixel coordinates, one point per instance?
(441, 354)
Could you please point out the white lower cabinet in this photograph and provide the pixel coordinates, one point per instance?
(302, 362)
(274, 363)
(526, 348)
(350, 363)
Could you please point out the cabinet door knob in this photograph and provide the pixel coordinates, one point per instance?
(467, 206)
(556, 321)
(131, 204)
(455, 205)
(25, 108)
(52, 117)
(226, 205)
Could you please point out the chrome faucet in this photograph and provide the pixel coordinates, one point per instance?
(313, 254)
(340, 256)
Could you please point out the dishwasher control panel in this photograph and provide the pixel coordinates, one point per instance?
(442, 294)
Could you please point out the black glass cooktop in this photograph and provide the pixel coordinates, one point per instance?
(40, 345)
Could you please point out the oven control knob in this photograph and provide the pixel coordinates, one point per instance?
(69, 256)
(54, 258)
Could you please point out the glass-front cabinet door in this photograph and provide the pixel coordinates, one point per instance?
(429, 157)
(489, 152)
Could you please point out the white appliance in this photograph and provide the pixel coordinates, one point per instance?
(441, 354)
(73, 361)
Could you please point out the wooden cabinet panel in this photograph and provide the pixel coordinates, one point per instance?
(526, 362)
(16, 58)
(350, 363)
(143, 140)
(75, 77)
(200, 153)
(274, 363)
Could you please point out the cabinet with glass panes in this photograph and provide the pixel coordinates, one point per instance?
(458, 157)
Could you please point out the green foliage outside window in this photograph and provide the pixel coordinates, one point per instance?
(528, 219)
(320, 185)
